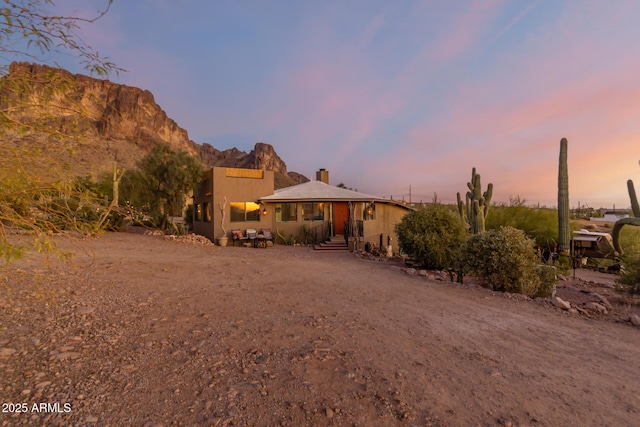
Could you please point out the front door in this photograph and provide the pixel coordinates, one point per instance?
(340, 216)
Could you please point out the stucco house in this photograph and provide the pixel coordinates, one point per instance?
(310, 212)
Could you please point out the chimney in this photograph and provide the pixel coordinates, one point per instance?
(322, 175)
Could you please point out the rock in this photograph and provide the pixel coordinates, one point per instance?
(85, 310)
(6, 352)
(635, 320)
(410, 271)
(91, 419)
(329, 412)
(594, 306)
(560, 303)
(262, 359)
(603, 300)
(67, 355)
(422, 273)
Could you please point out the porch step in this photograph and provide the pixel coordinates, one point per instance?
(336, 243)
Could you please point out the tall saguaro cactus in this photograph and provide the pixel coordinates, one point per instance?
(475, 208)
(564, 234)
(635, 220)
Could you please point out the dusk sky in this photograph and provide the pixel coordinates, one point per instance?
(388, 95)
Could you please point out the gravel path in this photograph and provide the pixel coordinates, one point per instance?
(146, 331)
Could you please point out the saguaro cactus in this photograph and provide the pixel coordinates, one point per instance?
(475, 208)
(635, 220)
(564, 233)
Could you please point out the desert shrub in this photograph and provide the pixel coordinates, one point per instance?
(630, 239)
(188, 215)
(563, 263)
(629, 280)
(505, 260)
(538, 223)
(432, 236)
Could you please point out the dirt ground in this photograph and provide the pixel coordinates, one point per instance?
(146, 331)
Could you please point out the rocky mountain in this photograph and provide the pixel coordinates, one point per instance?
(263, 156)
(106, 120)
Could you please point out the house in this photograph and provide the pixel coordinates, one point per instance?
(228, 198)
(310, 212)
(611, 215)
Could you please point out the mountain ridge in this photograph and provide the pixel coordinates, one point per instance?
(109, 121)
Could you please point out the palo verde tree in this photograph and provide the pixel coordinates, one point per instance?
(40, 195)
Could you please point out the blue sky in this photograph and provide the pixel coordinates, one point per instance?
(387, 95)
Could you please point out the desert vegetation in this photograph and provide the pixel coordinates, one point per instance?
(42, 195)
(433, 236)
(503, 250)
(505, 260)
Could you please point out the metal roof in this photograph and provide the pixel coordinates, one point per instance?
(318, 191)
(584, 232)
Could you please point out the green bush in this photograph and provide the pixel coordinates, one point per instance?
(505, 260)
(538, 223)
(432, 236)
(629, 280)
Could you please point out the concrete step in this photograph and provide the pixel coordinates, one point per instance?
(324, 247)
(336, 243)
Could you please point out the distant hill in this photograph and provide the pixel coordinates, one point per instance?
(106, 121)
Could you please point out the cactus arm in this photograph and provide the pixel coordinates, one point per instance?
(634, 199)
(462, 210)
(487, 198)
(617, 227)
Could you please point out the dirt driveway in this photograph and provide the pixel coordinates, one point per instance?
(154, 332)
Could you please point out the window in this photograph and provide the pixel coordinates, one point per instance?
(286, 212)
(369, 211)
(313, 211)
(198, 212)
(206, 211)
(245, 212)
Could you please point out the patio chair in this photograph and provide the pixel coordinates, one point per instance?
(238, 236)
(268, 236)
(252, 235)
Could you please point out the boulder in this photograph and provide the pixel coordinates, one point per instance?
(560, 303)
(594, 306)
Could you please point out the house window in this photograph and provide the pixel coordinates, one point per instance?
(286, 212)
(369, 211)
(206, 211)
(313, 211)
(198, 212)
(245, 212)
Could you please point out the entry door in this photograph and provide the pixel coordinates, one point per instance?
(340, 216)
